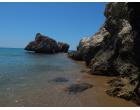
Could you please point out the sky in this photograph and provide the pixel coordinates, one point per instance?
(66, 22)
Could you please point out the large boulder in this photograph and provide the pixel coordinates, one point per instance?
(45, 44)
(63, 47)
(88, 47)
(115, 49)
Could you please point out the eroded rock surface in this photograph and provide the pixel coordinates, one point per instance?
(115, 49)
(45, 44)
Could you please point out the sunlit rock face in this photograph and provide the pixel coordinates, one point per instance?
(45, 44)
(115, 49)
(88, 47)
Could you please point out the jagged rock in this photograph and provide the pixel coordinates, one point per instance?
(45, 44)
(63, 47)
(118, 49)
(88, 47)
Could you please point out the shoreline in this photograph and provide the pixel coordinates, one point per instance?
(44, 83)
(97, 96)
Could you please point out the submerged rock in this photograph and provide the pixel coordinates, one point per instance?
(77, 88)
(60, 79)
(115, 49)
(45, 44)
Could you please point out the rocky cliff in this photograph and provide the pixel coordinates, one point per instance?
(115, 50)
(45, 44)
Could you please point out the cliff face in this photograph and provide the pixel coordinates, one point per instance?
(114, 50)
(45, 44)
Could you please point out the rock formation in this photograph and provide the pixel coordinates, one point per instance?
(115, 50)
(44, 44)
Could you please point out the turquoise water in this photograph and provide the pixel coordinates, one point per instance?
(26, 78)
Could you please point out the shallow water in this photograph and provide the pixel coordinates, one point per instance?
(27, 79)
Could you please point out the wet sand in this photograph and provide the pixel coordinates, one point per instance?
(93, 97)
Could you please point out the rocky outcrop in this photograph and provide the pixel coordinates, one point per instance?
(115, 50)
(63, 47)
(88, 47)
(45, 44)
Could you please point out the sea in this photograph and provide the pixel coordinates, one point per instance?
(29, 79)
